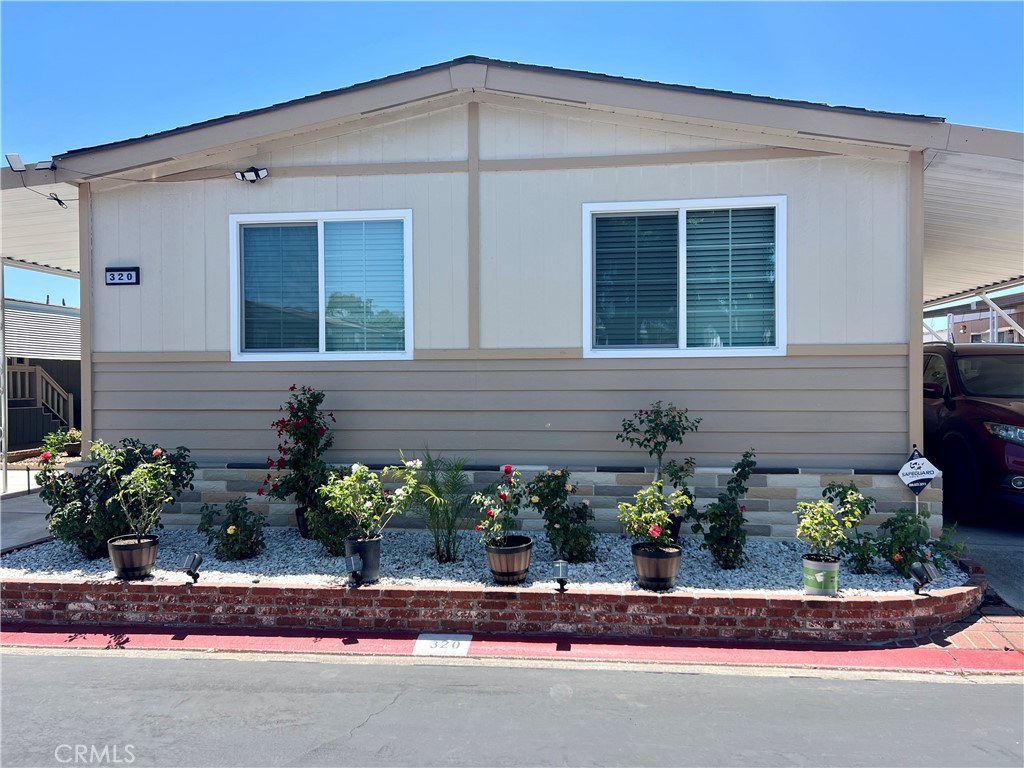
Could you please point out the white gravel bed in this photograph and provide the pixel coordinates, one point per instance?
(406, 559)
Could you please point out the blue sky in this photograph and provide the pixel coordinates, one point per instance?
(86, 73)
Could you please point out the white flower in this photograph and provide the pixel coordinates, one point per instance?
(368, 505)
(586, 502)
(356, 467)
(399, 493)
(414, 464)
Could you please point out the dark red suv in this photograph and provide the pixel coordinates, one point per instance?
(974, 427)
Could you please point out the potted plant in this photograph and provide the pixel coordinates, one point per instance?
(84, 508)
(304, 439)
(73, 442)
(238, 535)
(508, 554)
(656, 428)
(656, 557)
(356, 509)
(566, 523)
(822, 526)
(140, 491)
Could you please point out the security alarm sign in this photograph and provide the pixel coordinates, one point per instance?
(918, 472)
(122, 275)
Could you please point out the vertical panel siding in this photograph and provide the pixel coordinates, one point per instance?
(524, 133)
(846, 264)
(436, 136)
(178, 235)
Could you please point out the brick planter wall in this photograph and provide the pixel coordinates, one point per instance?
(532, 611)
(770, 500)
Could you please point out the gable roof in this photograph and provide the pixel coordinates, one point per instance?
(973, 178)
(508, 65)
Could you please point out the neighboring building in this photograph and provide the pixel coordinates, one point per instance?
(44, 371)
(974, 321)
(501, 261)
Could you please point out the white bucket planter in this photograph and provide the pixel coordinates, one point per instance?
(821, 575)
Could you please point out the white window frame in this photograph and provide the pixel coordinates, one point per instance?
(682, 208)
(319, 218)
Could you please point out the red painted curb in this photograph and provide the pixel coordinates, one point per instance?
(952, 661)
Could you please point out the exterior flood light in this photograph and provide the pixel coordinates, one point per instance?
(252, 174)
(561, 574)
(191, 566)
(922, 575)
(14, 160)
(353, 566)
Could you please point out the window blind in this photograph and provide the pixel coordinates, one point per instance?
(730, 278)
(364, 278)
(279, 285)
(636, 275)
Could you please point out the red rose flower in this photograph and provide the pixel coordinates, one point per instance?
(508, 469)
(503, 495)
(478, 527)
(270, 462)
(321, 431)
(490, 513)
(274, 487)
(259, 491)
(292, 388)
(46, 456)
(897, 557)
(280, 463)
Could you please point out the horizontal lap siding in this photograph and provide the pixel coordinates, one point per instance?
(794, 411)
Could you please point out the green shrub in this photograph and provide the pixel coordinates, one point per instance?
(722, 522)
(121, 489)
(859, 548)
(443, 500)
(655, 429)
(904, 539)
(649, 518)
(239, 535)
(566, 523)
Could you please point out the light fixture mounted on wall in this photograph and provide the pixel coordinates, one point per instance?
(252, 174)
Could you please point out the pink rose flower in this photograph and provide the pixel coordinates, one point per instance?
(654, 531)
(157, 452)
(46, 456)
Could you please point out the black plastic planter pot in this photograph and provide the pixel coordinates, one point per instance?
(301, 523)
(133, 557)
(369, 551)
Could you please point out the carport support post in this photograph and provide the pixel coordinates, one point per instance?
(3, 384)
(999, 311)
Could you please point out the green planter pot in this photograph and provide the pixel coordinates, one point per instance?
(133, 557)
(821, 575)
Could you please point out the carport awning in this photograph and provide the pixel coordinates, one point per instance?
(35, 231)
(973, 224)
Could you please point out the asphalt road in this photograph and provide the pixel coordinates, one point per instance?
(119, 708)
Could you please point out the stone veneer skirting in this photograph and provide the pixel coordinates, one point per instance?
(676, 615)
(770, 501)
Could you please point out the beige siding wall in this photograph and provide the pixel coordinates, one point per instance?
(846, 246)
(434, 136)
(178, 235)
(161, 369)
(798, 411)
(523, 133)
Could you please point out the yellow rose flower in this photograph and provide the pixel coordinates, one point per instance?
(535, 499)
(231, 530)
